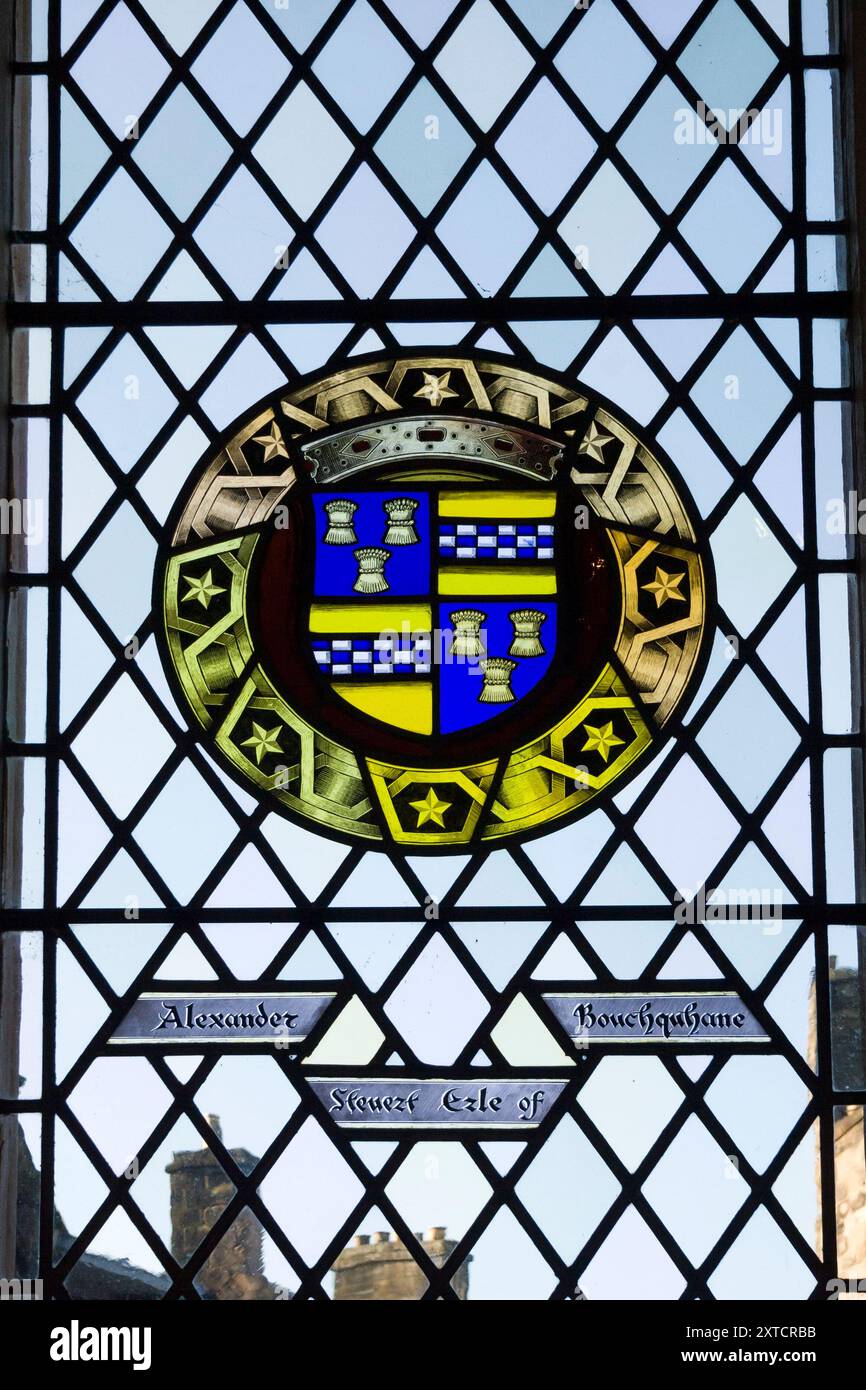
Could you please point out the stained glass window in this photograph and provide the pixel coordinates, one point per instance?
(434, 854)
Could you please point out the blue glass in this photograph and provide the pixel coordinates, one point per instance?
(181, 152)
(308, 345)
(243, 234)
(549, 277)
(423, 21)
(741, 395)
(178, 20)
(816, 27)
(767, 144)
(241, 68)
(305, 279)
(486, 230)
(86, 152)
(714, 228)
(460, 682)
(300, 22)
(424, 146)
(248, 370)
(667, 19)
(362, 37)
(554, 342)
(727, 61)
(655, 146)
(604, 61)
(365, 233)
(544, 122)
(407, 571)
(427, 278)
(608, 229)
(120, 70)
(303, 150)
(542, 21)
(121, 236)
(483, 87)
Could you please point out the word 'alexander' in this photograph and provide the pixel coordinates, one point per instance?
(687, 1020)
(184, 1018)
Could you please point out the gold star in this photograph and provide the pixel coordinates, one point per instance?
(665, 586)
(202, 589)
(594, 442)
(273, 443)
(600, 740)
(431, 808)
(263, 741)
(436, 388)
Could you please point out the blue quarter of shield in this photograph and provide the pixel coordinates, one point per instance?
(461, 681)
(407, 568)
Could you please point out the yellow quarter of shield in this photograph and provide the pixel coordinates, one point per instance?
(403, 704)
(370, 618)
(511, 505)
(466, 581)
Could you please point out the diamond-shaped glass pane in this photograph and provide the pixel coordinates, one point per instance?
(545, 121)
(181, 152)
(483, 88)
(486, 230)
(241, 68)
(752, 567)
(437, 1005)
(666, 146)
(303, 150)
(608, 229)
(243, 234)
(713, 226)
(362, 36)
(604, 61)
(740, 395)
(121, 236)
(727, 61)
(424, 146)
(749, 739)
(120, 70)
(365, 202)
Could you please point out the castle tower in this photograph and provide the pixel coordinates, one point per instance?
(200, 1191)
(380, 1267)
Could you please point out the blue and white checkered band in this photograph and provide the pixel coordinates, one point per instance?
(387, 655)
(490, 541)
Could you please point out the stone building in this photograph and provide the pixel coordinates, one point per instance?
(372, 1267)
(850, 1154)
(850, 1194)
(200, 1191)
(381, 1267)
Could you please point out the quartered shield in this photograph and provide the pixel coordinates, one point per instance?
(434, 606)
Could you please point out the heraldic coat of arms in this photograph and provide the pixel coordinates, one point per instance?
(433, 600)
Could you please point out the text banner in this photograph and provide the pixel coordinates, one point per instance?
(433, 1104)
(234, 1018)
(665, 1018)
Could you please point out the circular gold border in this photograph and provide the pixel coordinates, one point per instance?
(532, 788)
